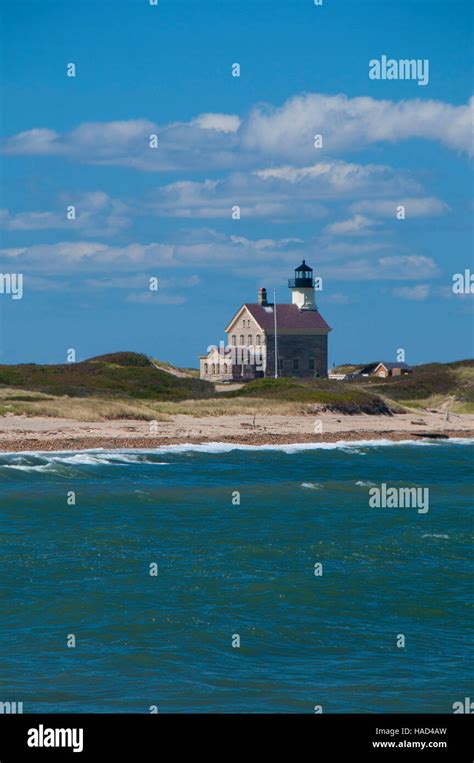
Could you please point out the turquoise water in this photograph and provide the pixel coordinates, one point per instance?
(226, 569)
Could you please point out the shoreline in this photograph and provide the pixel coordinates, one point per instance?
(38, 445)
(23, 433)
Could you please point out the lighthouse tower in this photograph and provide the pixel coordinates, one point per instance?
(302, 288)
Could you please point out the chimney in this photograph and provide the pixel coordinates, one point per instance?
(262, 297)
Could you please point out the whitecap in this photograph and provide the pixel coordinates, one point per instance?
(30, 468)
(350, 446)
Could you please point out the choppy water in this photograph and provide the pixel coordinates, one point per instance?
(226, 569)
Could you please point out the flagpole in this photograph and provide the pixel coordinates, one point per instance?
(275, 325)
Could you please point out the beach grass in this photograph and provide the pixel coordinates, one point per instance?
(132, 386)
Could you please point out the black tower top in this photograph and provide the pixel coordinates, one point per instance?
(303, 277)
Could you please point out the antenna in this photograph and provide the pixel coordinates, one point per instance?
(275, 325)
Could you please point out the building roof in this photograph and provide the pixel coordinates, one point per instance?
(288, 317)
(388, 366)
(304, 268)
(391, 366)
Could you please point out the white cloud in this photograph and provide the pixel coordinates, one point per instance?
(278, 193)
(96, 213)
(421, 207)
(356, 225)
(99, 264)
(38, 141)
(417, 293)
(335, 178)
(351, 123)
(285, 133)
(222, 122)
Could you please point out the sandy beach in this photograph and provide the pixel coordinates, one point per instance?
(22, 433)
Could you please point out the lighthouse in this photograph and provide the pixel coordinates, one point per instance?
(267, 339)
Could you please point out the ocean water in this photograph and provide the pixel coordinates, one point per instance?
(228, 569)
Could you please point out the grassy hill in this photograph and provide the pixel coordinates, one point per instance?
(125, 385)
(429, 385)
(124, 374)
(329, 395)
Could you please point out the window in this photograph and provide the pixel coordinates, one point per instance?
(242, 340)
(225, 368)
(296, 365)
(213, 368)
(234, 340)
(249, 340)
(311, 364)
(259, 340)
(206, 368)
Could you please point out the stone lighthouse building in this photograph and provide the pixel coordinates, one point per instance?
(298, 331)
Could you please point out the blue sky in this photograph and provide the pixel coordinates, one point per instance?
(226, 141)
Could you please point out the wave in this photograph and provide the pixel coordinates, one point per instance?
(113, 459)
(101, 456)
(28, 468)
(39, 461)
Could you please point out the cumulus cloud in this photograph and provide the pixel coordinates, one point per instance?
(354, 226)
(102, 265)
(207, 141)
(279, 193)
(96, 213)
(222, 122)
(38, 141)
(348, 123)
(285, 133)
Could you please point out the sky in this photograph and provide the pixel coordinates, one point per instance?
(380, 205)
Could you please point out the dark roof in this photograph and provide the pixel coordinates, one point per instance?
(391, 366)
(304, 267)
(388, 366)
(288, 317)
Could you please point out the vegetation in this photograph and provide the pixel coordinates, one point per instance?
(130, 385)
(329, 395)
(124, 374)
(429, 382)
